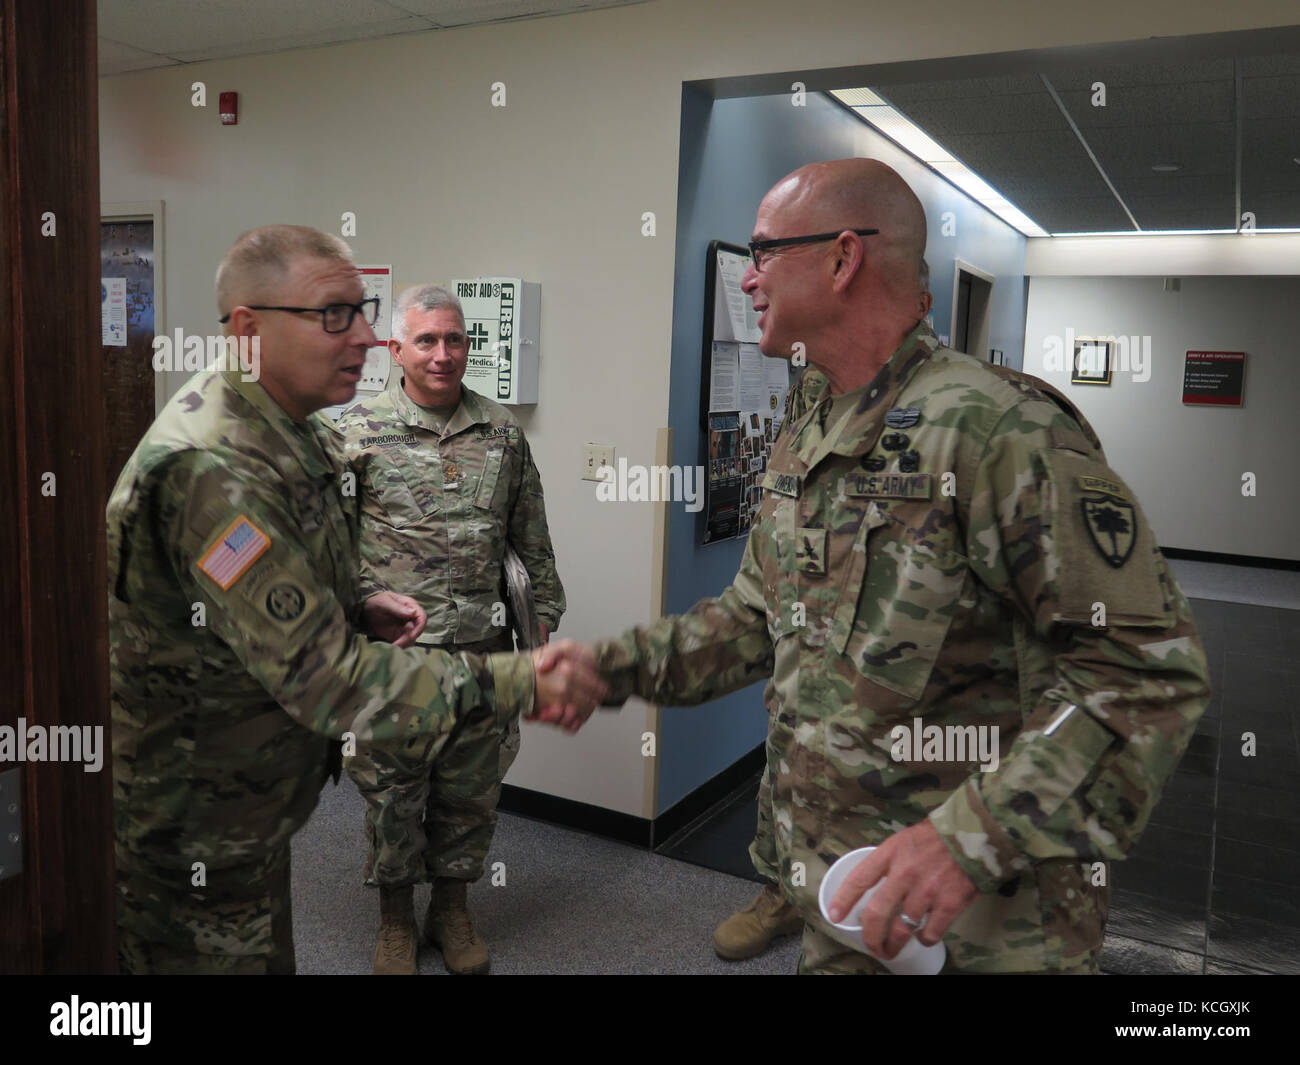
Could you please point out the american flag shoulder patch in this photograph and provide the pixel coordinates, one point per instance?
(242, 544)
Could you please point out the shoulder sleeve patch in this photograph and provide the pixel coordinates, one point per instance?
(1106, 554)
(235, 550)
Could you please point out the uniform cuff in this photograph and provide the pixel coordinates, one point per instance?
(513, 684)
(976, 841)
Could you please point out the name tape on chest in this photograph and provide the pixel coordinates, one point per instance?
(888, 485)
(238, 547)
(785, 484)
(388, 440)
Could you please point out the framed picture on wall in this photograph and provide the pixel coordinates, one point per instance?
(1091, 362)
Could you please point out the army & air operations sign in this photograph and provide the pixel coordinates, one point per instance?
(1110, 518)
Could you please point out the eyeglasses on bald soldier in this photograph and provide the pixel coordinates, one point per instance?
(334, 317)
(757, 248)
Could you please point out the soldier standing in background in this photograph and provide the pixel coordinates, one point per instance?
(447, 482)
(233, 614)
(941, 543)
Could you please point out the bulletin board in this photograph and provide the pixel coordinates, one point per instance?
(742, 400)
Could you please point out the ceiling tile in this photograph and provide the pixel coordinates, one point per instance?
(1074, 214)
(314, 39)
(962, 88)
(1078, 77)
(1154, 105)
(1272, 97)
(117, 58)
(170, 27)
(1267, 66)
(464, 12)
(976, 115)
(1197, 148)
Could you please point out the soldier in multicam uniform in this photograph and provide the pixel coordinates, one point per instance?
(233, 602)
(447, 481)
(940, 539)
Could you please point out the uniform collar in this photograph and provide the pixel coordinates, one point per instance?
(299, 438)
(469, 411)
(856, 434)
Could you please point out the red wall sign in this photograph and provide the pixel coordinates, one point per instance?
(1214, 377)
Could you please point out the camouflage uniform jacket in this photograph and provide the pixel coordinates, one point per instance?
(929, 556)
(232, 598)
(438, 508)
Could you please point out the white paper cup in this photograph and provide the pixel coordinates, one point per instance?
(915, 959)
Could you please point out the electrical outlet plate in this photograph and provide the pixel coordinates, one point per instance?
(11, 823)
(594, 456)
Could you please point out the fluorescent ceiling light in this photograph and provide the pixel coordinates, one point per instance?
(908, 135)
(1176, 233)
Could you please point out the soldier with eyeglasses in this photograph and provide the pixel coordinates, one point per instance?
(236, 618)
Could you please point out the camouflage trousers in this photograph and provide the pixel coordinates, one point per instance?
(823, 956)
(820, 954)
(431, 814)
(240, 923)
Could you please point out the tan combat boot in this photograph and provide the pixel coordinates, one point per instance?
(448, 927)
(395, 953)
(750, 932)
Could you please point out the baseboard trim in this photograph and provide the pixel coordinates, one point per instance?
(708, 794)
(570, 813)
(1231, 560)
(627, 828)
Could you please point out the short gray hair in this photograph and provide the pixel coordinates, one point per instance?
(923, 275)
(261, 258)
(424, 298)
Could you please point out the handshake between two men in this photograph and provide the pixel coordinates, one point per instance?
(568, 686)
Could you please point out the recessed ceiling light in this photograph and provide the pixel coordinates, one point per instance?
(1166, 168)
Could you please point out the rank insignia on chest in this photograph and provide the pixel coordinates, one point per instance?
(903, 417)
(888, 486)
(1112, 524)
(895, 441)
(450, 474)
(810, 550)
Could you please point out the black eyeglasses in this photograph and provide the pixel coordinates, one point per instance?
(334, 317)
(758, 247)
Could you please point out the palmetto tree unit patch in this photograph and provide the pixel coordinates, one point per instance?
(1110, 518)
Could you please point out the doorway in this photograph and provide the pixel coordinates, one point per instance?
(972, 302)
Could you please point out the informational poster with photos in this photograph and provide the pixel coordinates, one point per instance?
(747, 394)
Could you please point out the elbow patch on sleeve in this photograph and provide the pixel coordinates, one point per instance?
(1108, 567)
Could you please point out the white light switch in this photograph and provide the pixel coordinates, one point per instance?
(594, 456)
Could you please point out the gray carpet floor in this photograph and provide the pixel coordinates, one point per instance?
(575, 903)
(571, 903)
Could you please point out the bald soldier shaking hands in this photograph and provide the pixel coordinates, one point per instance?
(941, 543)
(236, 624)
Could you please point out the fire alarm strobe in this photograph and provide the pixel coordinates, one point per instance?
(229, 108)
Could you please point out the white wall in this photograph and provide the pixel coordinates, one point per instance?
(550, 188)
(1186, 255)
(1186, 462)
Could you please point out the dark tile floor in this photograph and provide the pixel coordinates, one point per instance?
(1213, 885)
